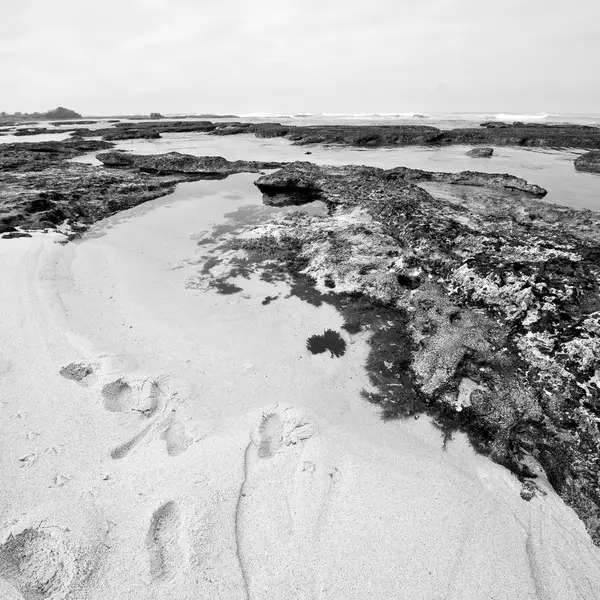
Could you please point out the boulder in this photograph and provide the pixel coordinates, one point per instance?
(589, 162)
(481, 152)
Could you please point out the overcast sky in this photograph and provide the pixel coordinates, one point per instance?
(125, 56)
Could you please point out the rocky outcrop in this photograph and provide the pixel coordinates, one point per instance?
(130, 134)
(483, 310)
(589, 162)
(528, 135)
(493, 133)
(365, 136)
(481, 152)
(78, 122)
(145, 129)
(36, 156)
(199, 167)
(33, 131)
(474, 178)
(62, 113)
(494, 124)
(39, 189)
(302, 179)
(77, 193)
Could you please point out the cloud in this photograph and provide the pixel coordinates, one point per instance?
(315, 55)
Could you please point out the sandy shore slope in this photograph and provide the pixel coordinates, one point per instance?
(200, 451)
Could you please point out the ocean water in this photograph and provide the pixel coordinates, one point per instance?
(440, 120)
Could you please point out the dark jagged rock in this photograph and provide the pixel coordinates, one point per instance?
(365, 136)
(80, 122)
(145, 130)
(528, 135)
(78, 193)
(481, 152)
(16, 234)
(36, 156)
(231, 128)
(589, 162)
(39, 189)
(492, 133)
(269, 130)
(484, 310)
(494, 124)
(201, 167)
(301, 179)
(33, 131)
(130, 134)
(475, 178)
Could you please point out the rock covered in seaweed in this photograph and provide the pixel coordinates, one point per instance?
(481, 152)
(589, 162)
(304, 178)
(494, 305)
(177, 163)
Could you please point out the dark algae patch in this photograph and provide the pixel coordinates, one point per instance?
(330, 340)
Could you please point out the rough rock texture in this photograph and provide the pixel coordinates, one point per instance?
(176, 163)
(529, 135)
(589, 162)
(78, 193)
(131, 134)
(484, 310)
(481, 152)
(498, 134)
(78, 122)
(145, 129)
(365, 136)
(301, 178)
(33, 156)
(39, 189)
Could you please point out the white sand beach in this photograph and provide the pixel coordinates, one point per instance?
(200, 451)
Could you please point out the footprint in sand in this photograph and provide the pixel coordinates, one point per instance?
(142, 395)
(150, 398)
(283, 504)
(175, 436)
(170, 429)
(163, 542)
(53, 557)
(270, 436)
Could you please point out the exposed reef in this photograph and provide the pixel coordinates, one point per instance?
(41, 189)
(304, 179)
(481, 152)
(483, 306)
(204, 167)
(34, 156)
(367, 136)
(144, 129)
(589, 162)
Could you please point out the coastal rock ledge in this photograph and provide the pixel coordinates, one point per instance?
(482, 305)
(589, 162)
